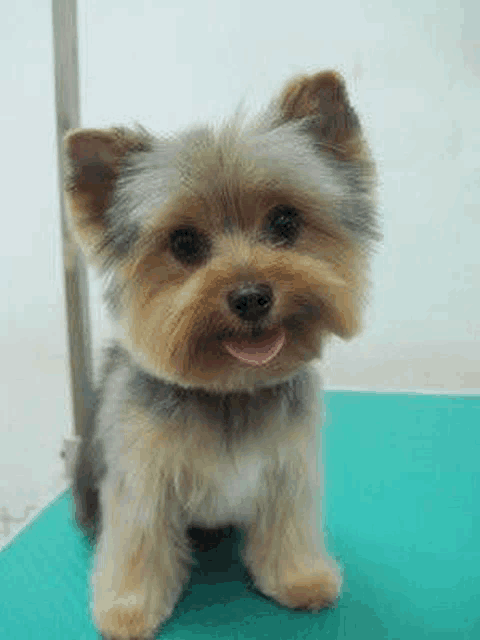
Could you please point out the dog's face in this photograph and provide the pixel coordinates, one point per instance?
(231, 254)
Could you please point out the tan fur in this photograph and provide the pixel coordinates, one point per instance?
(242, 449)
(279, 544)
(155, 317)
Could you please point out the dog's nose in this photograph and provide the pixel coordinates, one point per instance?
(251, 302)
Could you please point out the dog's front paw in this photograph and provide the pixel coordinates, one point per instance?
(309, 590)
(128, 619)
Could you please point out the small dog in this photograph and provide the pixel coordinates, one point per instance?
(231, 255)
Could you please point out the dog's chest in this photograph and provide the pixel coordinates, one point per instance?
(237, 487)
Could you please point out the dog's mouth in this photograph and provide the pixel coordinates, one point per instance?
(257, 350)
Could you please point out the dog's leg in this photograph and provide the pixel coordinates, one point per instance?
(143, 553)
(285, 551)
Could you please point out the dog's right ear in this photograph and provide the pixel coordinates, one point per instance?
(94, 160)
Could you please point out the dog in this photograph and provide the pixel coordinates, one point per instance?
(230, 255)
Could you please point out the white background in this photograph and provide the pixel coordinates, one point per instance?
(413, 69)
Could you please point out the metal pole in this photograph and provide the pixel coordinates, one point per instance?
(67, 105)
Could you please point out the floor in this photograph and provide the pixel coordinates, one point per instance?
(402, 511)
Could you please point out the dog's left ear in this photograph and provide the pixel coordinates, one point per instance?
(322, 101)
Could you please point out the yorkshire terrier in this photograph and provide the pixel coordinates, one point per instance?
(230, 255)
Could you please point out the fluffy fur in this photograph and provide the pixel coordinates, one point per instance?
(229, 256)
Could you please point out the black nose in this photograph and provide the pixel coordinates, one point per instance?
(251, 302)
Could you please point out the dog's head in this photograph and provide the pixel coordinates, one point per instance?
(232, 252)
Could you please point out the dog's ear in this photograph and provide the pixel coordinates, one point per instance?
(94, 160)
(321, 100)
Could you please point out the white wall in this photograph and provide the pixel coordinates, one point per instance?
(413, 68)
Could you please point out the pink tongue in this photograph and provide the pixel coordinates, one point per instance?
(257, 352)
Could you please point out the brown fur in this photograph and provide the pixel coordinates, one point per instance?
(325, 93)
(191, 435)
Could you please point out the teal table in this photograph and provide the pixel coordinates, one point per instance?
(403, 512)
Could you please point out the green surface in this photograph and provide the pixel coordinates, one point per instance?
(403, 512)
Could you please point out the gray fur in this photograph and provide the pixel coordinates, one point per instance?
(205, 160)
(157, 457)
(234, 415)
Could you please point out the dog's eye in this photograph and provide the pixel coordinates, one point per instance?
(283, 225)
(188, 245)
